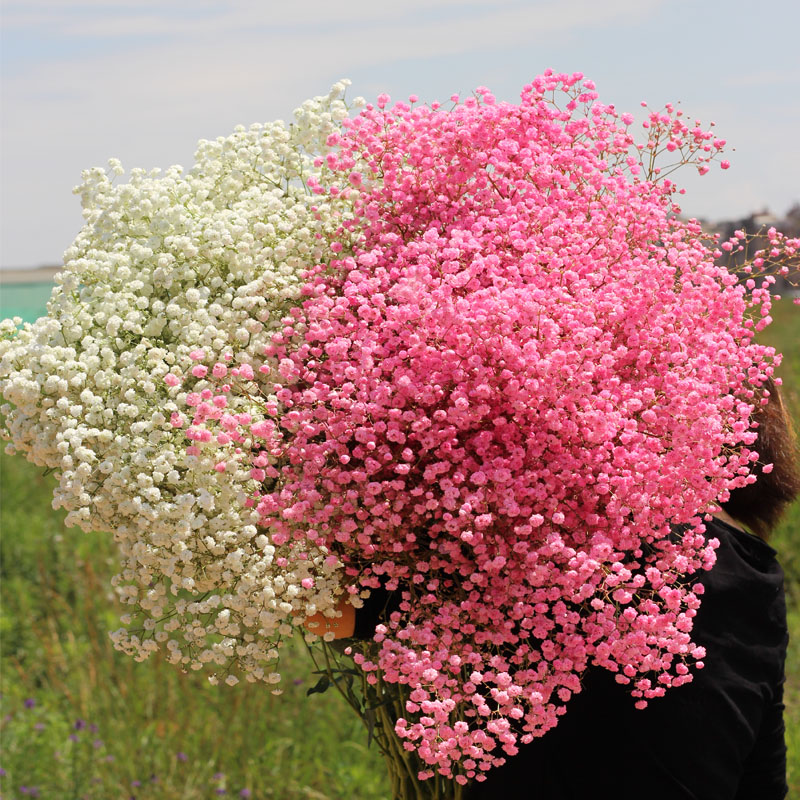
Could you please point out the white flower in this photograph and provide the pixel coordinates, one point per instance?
(166, 265)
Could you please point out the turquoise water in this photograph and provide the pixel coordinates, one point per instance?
(26, 300)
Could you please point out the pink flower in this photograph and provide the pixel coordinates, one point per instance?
(520, 366)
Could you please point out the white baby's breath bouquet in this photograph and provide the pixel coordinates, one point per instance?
(166, 267)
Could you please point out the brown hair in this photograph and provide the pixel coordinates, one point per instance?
(760, 505)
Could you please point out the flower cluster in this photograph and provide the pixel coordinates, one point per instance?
(103, 389)
(468, 355)
(503, 403)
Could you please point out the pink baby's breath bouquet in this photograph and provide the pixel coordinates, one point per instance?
(513, 404)
(506, 384)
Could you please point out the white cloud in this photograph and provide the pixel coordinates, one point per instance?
(165, 77)
(764, 77)
(464, 26)
(99, 18)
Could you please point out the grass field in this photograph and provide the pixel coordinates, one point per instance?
(80, 720)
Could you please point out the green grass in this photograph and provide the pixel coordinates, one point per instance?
(56, 613)
(784, 336)
(175, 735)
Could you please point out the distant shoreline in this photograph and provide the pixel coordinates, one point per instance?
(36, 275)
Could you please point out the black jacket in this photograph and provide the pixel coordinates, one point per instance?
(720, 737)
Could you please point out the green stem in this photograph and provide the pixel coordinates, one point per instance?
(387, 702)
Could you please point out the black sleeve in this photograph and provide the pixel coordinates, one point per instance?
(376, 609)
(720, 737)
(765, 769)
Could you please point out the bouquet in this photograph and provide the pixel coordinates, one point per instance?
(166, 268)
(470, 356)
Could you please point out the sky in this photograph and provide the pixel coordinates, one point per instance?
(82, 82)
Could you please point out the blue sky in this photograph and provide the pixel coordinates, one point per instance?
(82, 82)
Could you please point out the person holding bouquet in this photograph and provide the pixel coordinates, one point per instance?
(720, 737)
(473, 359)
